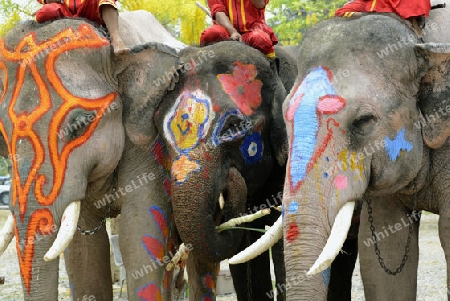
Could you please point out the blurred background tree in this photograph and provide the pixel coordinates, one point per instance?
(5, 165)
(186, 21)
(11, 13)
(290, 19)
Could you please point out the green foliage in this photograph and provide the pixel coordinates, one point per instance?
(4, 164)
(291, 19)
(12, 13)
(182, 17)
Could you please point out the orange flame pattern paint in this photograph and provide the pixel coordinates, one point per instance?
(41, 222)
(24, 56)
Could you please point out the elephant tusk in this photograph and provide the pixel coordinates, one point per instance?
(7, 233)
(68, 227)
(336, 239)
(242, 219)
(221, 201)
(274, 234)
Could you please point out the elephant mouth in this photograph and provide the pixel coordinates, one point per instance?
(231, 198)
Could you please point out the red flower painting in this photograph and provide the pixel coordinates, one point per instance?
(242, 86)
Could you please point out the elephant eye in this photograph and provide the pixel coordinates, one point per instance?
(78, 122)
(234, 128)
(363, 124)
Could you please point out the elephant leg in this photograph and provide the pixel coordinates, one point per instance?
(144, 225)
(391, 221)
(88, 264)
(202, 278)
(340, 287)
(279, 269)
(252, 280)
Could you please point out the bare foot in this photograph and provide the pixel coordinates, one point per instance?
(120, 48)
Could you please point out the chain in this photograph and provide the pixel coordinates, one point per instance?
(408, 240)
(108, 211)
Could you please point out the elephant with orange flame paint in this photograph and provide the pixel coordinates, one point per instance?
(62, 122)
(379, 133)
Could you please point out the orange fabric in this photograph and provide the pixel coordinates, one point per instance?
(89, 9)
(349, 7)
(248, 20)
(405, 9)
(256, 38)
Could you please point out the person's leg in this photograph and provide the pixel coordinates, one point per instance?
(52, 11)
(110, 16)
(260, 40)
(351, 9)
(213, 34)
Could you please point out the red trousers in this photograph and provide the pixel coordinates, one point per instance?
(89, 9)
(257, 38)
(404, 8)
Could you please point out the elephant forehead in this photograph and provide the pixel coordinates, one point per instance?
(189, 120)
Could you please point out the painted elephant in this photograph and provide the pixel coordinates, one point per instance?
(61, 119)
(368, 118)
(222, 130)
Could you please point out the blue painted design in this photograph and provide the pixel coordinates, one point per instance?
(305, 121)
(325, 175)
(293, 207)
(393, 147)
(282, 210)
(252, 148)
(326, 276)
(72, 289)
(328, 159)
(218, 136)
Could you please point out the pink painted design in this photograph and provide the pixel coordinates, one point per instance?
(153, 247)
(340, 182)
(293, 107)
(330, 104)
(160, 220)
(292, 232)
(243, 87)
(150, 292)
(208, 282)
(167, 186)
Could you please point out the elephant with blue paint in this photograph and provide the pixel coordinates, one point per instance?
(368, 118)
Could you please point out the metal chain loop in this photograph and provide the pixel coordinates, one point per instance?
(408, 240)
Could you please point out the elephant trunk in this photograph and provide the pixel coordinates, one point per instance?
(197, 211)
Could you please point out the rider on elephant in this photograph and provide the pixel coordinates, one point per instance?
(405, 9)
(241, 21)
(98, 11)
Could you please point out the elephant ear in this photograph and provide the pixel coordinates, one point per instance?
(434, 93)
(144, 76)
(278, 134)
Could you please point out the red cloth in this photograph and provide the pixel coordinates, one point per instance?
(89, 9)
(349, 7)
(248, 20)
(405, 9)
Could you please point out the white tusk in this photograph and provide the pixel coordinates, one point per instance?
(242, 219)
(274, 234)
(221, 201)
(7, 233)
(336, 239)
(68, 227)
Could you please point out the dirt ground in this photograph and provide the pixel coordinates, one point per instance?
(431, 279)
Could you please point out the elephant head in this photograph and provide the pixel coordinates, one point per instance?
(217, 127)
(61, 120)
(354, 124)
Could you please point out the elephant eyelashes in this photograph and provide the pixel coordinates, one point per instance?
(78, 122)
